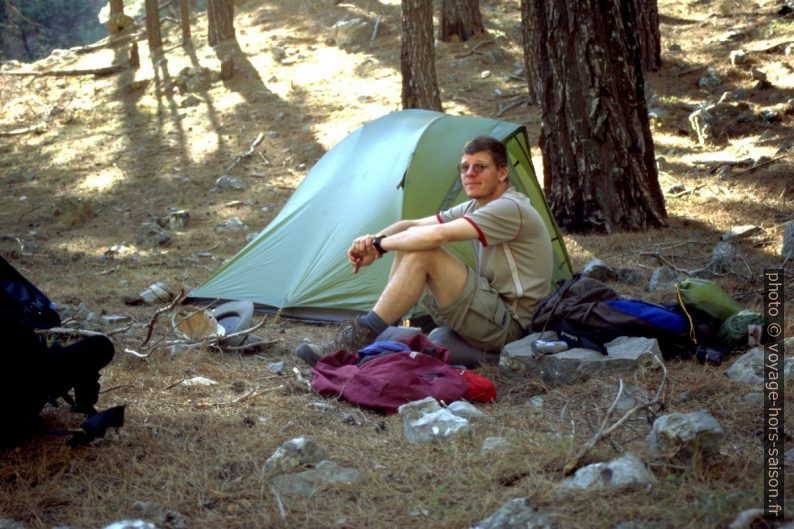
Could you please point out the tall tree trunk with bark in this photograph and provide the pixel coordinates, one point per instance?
(583, 59)
(116, 7)
(417, 56)
(221, 20)
(460, 20)
(184, 15)
(648, 34)
(153, 36)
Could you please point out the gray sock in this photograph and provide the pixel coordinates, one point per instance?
(374, 322)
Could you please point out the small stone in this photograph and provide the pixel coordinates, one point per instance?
(232, 224)
(675, 48)
(190, 101)
(112, 319)
(198, 381)
(740, 231)
(710, 79)
(464, 409)
(739, 57)
(494, 444)
(295, 453)
(228, 182)
(598, 269)
(662, 279)
(681, 435)
(515, 514)
(627, 471)
(310, 482)
(535, 402)
(630, 276)
(485, 74)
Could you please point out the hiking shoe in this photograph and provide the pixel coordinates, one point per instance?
(309, 353)
(354, 336)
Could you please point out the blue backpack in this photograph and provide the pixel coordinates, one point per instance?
(586, 313)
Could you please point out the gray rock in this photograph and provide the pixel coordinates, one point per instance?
(675, 48)
(723, 257)
(232, 224)
(739, 57)
(632, 395)
(190, 101)
(624, 355)
(275, 367)
(496, 444)
(598, 269)
(788, 241)
(789, 455)
(754, 397)
(630, 276)
(112, 319)
(153, 235)
(746, 518)
(177, 219)
(425, 421)
(156, 293)
(662, 279)
(228, 182)
(749, 368)
(515, 514)
(681, 435)
(349, 33)
(310, 482)
(710, 79)
(627, 471)
(10, 523)
(278, 54)
(295, 453)
(740, 231)
(464, 409)
(131, 524)
(536, 402)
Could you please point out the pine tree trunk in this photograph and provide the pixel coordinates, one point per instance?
(221, 20)
(598, 158)
(648, 34)
(153, 36)
(460, 20)
(417, 56)
(184, 15)
(116, 7)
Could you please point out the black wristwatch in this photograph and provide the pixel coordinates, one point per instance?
(376, 243)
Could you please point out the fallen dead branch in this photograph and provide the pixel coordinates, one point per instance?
(66, 331)
(475, 49)
(604, 430)
(177, 300)
(248, 153)
(23, 130)
(106, 70)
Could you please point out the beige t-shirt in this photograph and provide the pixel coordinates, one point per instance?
(513, 250)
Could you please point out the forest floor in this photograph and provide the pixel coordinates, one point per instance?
(116, 152)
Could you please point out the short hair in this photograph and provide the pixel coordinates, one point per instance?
(495, 147)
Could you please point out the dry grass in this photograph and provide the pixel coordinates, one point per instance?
(125, 145)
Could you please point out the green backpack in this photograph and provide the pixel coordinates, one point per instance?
(706, 295)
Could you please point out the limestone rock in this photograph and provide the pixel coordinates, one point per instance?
(515, 514)
(350, 33)
(598, 269)
(663, 278)
(627, 471)
(624, 355)
(295, 453)
(310, 482)
(425, 421)
(684, 434)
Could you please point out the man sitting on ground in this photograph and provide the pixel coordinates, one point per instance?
(478, 312)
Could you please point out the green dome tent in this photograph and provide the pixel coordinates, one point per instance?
(402, 165)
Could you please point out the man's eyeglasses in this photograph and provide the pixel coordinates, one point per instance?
(478, 168)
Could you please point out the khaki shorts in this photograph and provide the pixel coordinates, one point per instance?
(479, 315)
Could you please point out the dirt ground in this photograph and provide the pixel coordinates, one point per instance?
(81, 197)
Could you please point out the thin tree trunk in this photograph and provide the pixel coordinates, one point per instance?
(460, 20)
(116, 7)
(583, 59)
(153, 36)
(221, 20)
(417, 56)
(649, 35)
(184, 12)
